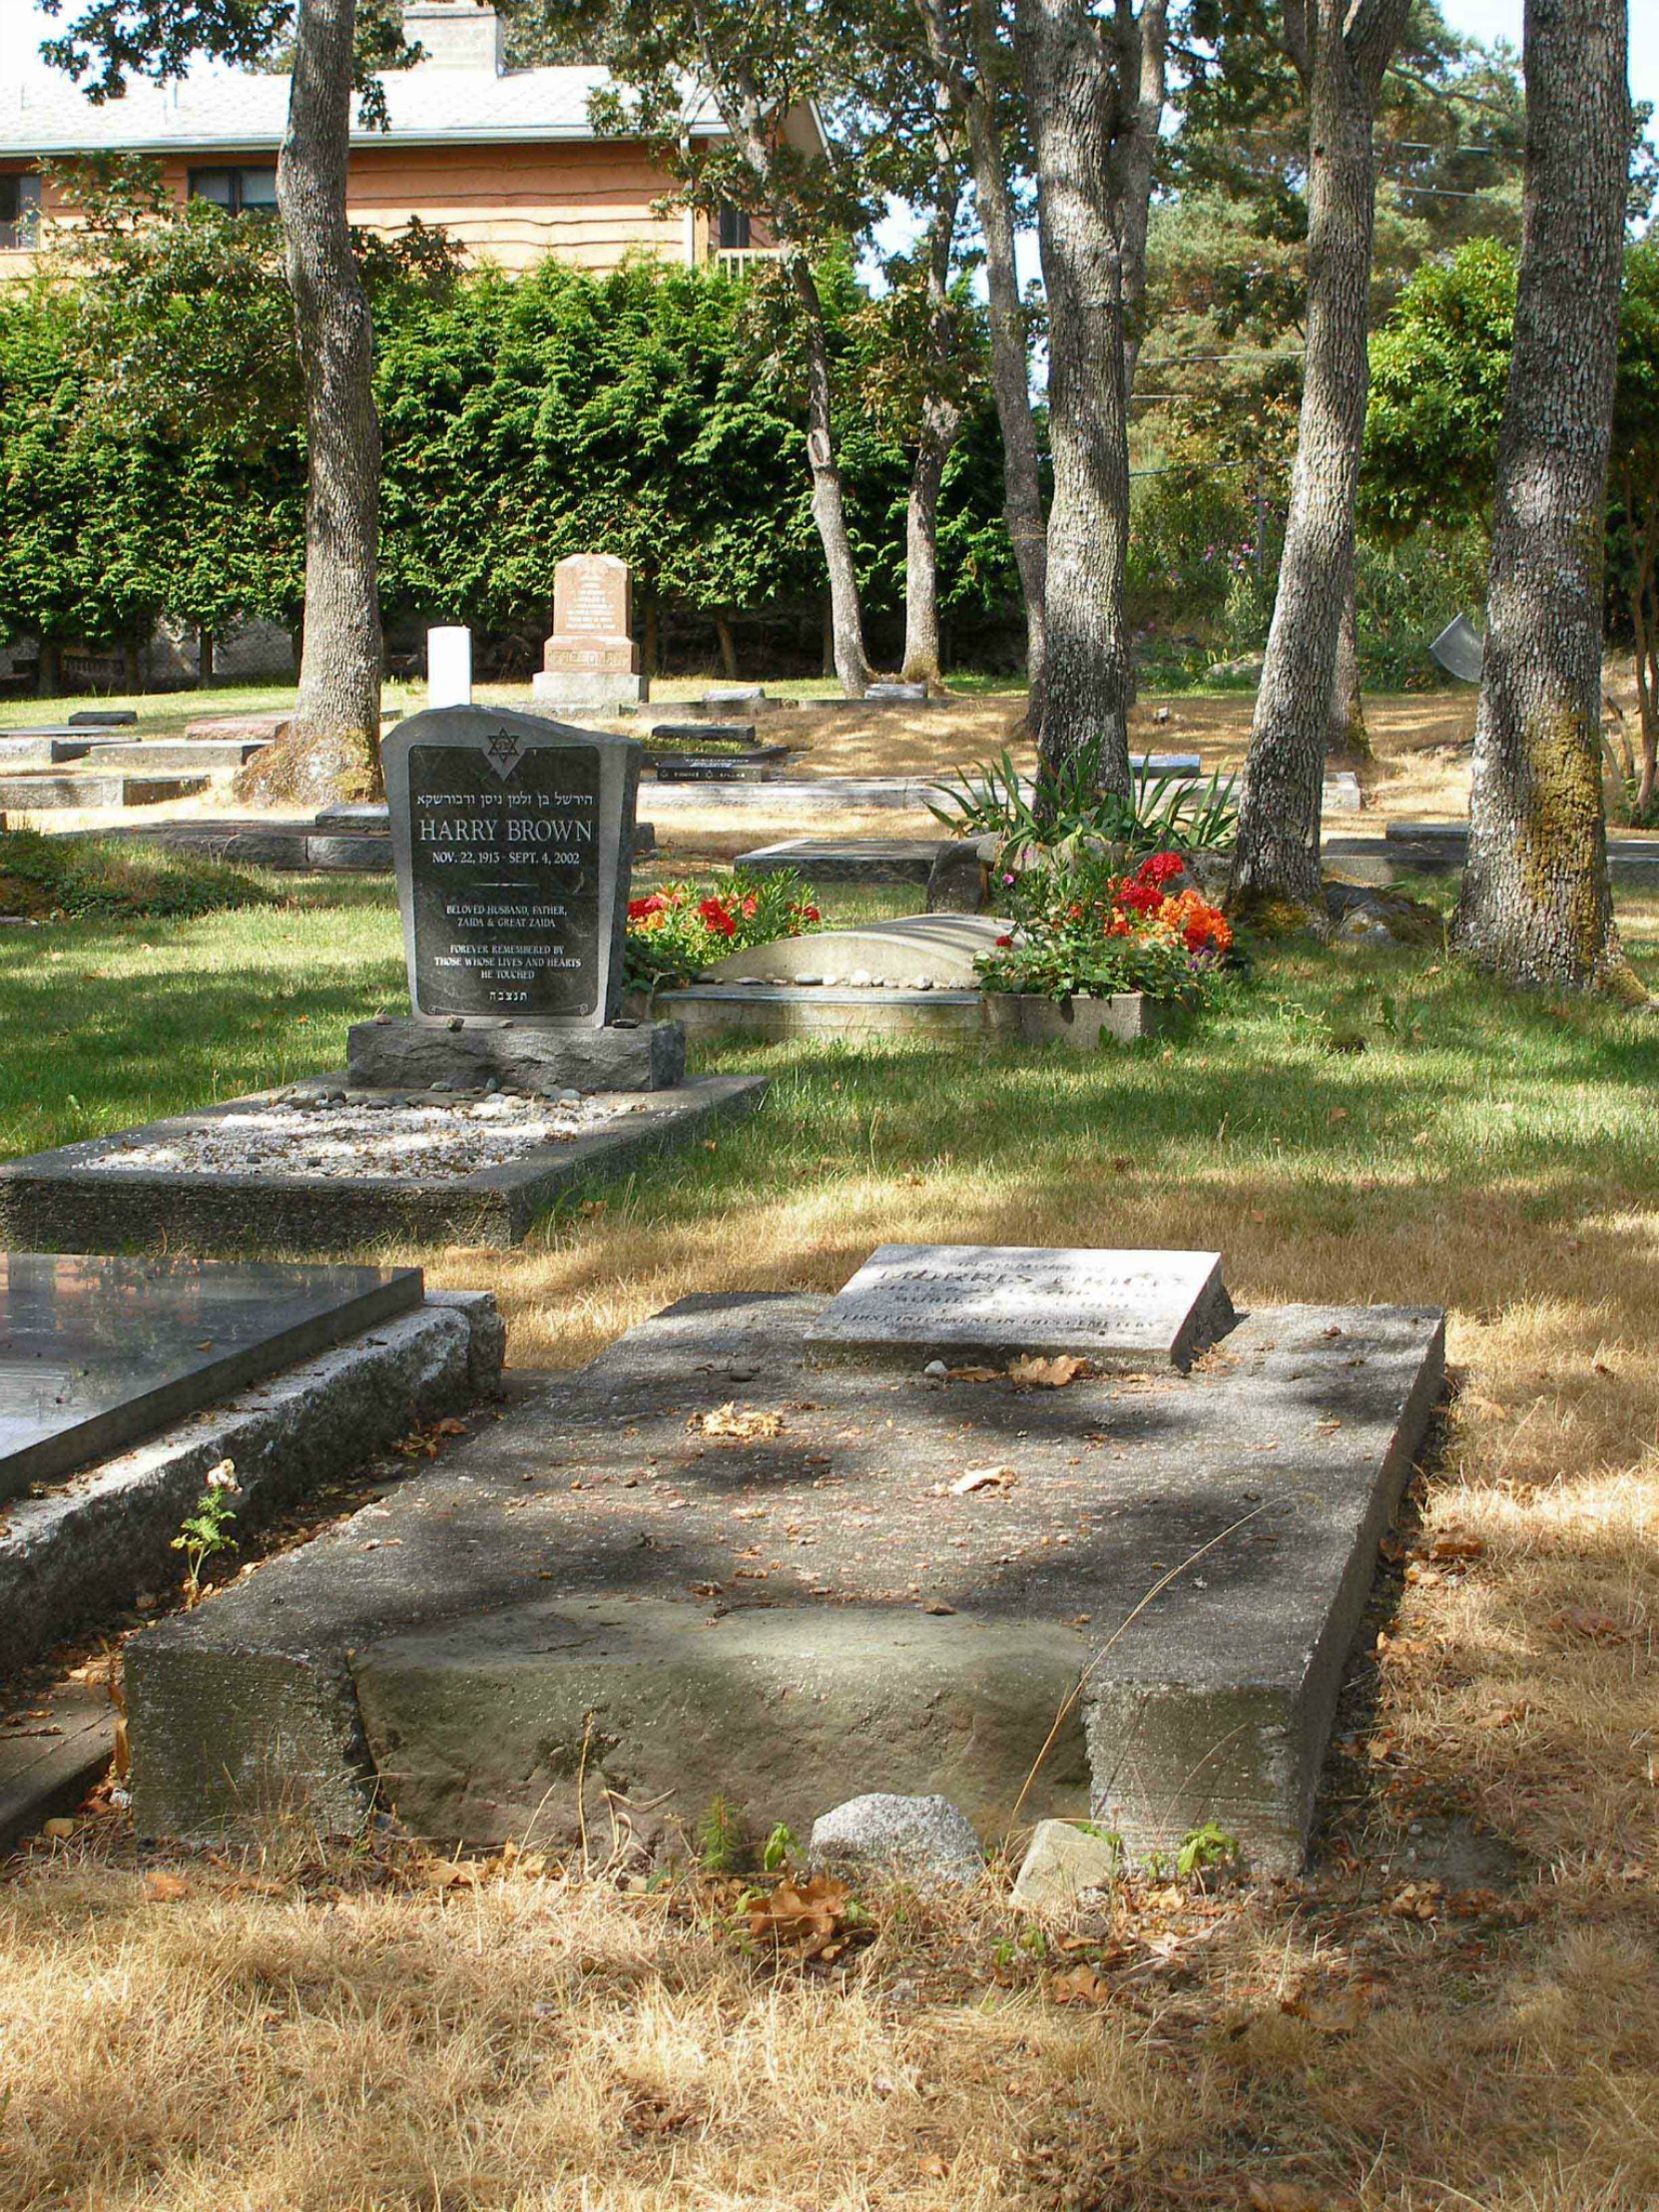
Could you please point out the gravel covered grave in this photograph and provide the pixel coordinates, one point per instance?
(349, 1135)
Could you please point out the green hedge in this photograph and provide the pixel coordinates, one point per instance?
(632, 413)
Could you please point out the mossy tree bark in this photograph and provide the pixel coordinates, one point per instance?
(1535, 904)
(1095, 98)
(333, 742)
(1339, 50)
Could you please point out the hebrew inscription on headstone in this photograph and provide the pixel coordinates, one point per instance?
(512, 837)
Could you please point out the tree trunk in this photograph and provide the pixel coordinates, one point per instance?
(1022, 492)
(941, 420)
(1095, 98)
(336, 718)
(1535, 904)
(132, 668)
(728, 648)
(204, 657)
(49, 675)
(853, 669)
(1347, 735)
(1278, 855)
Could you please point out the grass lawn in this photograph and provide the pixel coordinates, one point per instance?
(1382, 2037)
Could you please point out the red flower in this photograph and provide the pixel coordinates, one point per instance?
(638, 908)
(751, 907)
(810, 913)
(716, 918)
(1005, 940)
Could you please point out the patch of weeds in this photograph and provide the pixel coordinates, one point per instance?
(98, 878)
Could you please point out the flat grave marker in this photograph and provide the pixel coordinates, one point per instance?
(95, 1352)
(912, 1302)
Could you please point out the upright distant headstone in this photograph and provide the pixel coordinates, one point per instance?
(449, 666)
(591, 657)
(512, 837)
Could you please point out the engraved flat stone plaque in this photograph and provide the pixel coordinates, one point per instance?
(512, 837)
(96, 1353)
(910, 1303)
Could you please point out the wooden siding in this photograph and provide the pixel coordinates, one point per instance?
(587, 203)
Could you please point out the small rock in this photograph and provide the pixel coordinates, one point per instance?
(923, 983)
(806, 980)
(936, 1367)
(924, 1839)
(492, 1086)
(568, 1098)
(1063, 1860)
(457, 1022)
(860, 980)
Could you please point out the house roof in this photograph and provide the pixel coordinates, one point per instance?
(222, 111)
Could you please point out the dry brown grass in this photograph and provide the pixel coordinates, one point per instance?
(1392, 2035)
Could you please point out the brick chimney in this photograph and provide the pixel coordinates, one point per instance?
(457, 34)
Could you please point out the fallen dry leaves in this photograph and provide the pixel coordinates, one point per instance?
(808, 1918)
(978, 1479)
(162, 1887)
(740, 1427)
(1046, 1375)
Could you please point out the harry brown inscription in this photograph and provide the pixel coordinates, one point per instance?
(505, 878)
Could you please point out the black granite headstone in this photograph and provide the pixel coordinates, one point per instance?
(512, 837)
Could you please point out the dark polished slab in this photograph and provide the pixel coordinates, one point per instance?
(97, 1353)
(512, 837)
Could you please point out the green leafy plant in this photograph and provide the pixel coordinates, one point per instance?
(778, 1848)
(1089, 931)
(204, 1532)
(1204, 1849)
(992, 798)
(676, 932)
(720, 1837)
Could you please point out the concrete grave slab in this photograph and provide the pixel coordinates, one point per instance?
(774, 1014)
(910, 1303)
(80, 1549)
(849, 860)
(94, 1197)
(96, 1352)
(703, 1563)
(939, 949)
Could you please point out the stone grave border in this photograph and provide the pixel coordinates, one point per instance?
(96, 1539)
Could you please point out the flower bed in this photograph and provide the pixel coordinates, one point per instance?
(1086, 932)
(678, 932)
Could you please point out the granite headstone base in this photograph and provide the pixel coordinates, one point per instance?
(520, 1055)
(598, 690)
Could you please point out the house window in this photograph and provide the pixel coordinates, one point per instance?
(237, 191)
(733, 229)
(19, 210)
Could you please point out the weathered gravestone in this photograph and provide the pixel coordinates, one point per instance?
(909, 1302)
(591, 658)
(511, 838)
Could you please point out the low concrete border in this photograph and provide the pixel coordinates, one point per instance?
(60, 1202)
(92, 1543)
(775, 1012)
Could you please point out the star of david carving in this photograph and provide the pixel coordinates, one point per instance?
(503, 755)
